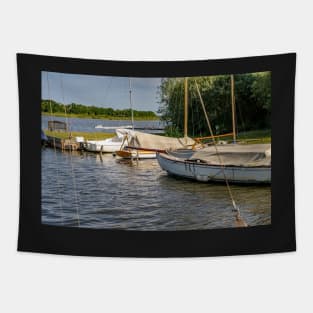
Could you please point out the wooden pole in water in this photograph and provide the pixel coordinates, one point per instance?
(233, 106)
(101, 149)
(186, 108)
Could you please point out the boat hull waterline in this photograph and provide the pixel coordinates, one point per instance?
(108, 145)
(105, 146)
(135, 154)
(213, 173)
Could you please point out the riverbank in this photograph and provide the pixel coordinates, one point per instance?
(100, 117)
(86, 135)
(257, 136)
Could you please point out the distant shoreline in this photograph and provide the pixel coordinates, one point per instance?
(100, 117)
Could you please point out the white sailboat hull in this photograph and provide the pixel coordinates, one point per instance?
(213, 173)
(135, 154)
(106, 146)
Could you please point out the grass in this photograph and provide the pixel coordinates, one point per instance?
(86, 135)
(101, 117)
(263, 136)
(254, 136)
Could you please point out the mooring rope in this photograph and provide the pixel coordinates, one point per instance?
(239, 219)
(55, 155)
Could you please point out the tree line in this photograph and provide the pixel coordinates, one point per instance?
(252, 98)
(51, 106)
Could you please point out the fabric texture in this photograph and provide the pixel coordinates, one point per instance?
(102, 191)
(150, 141)
(235, 155)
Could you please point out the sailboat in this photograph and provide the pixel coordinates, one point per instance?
(145, 146)
(236, 163)
(139, 145)
(241, 164)
(116, 143)
(107, 145)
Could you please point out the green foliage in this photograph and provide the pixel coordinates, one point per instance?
(50, 106)
(172, 131)
(253, 103)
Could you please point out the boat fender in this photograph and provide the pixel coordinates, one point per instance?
(202, 178)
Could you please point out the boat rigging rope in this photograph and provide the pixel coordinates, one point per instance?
(71, 159)
(55, 153)
(239, 219)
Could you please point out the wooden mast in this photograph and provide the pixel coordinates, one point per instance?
(233, 106)
(186, 109)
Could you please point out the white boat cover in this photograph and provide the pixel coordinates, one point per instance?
(251, 155)
(149, 141)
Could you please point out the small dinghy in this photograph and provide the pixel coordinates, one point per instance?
(246, 164)
(108, 145)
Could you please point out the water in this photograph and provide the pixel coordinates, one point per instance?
(88, 124)
(80, 189)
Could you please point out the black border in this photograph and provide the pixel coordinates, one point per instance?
(277, 237)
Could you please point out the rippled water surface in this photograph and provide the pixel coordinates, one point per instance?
(81, 189)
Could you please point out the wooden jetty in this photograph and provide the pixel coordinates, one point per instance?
(57, 126)
(68, 143)
(64, 144)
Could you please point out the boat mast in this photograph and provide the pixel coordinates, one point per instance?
(186, 109)
(233, 106)
(131, 103)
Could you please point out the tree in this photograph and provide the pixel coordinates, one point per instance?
(51, 106)
(253, 103)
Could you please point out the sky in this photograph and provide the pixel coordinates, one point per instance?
(102, 91)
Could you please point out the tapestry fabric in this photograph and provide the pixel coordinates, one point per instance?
(156, 159)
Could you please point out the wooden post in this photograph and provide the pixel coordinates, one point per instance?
(186, 109)
(233, 106)
(101, 149)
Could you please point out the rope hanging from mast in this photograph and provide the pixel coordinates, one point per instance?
(186, 109)
(233, 106)
(239, 220)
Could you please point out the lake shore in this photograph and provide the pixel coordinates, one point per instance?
(86, 135)
(261, 136)
(100, 117)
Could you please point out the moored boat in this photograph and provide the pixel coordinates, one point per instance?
(128, 153)
(141, 145)
(246, 164)
(144, 146)
(229, 163)
(108, 145)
